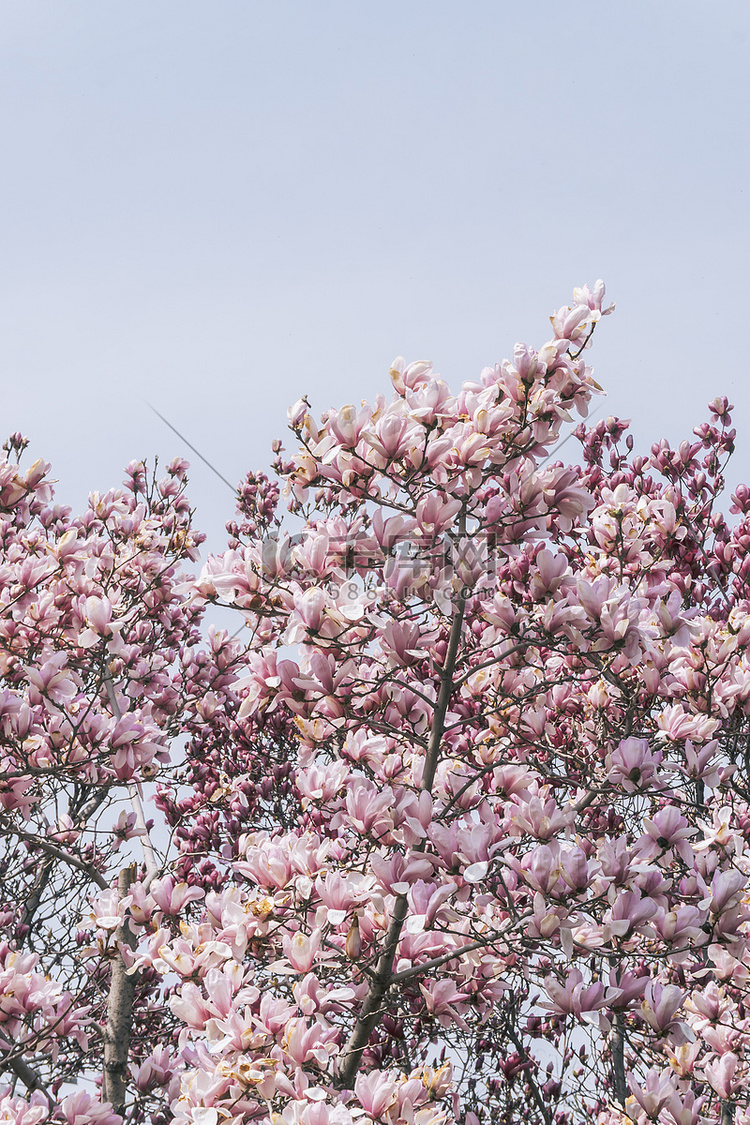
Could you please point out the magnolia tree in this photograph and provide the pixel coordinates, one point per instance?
(453, 830)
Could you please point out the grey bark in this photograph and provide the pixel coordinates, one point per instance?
(618, 1059)
(31, 1079)
(119, 1012)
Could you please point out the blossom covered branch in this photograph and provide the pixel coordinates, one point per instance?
(456, 831)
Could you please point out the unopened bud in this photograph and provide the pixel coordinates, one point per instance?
(354, 941)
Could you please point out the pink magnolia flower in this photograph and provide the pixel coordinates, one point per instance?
(98, 614)
(108, 909)
(629, 913)
(65, 831)
(659, 1007)
(125, 829)
(542, 868)
(172, 897)
(672, 622)
(436, 512)
(391, 436)
(446, 1002)
(52, 680)
(593, 298)
(541, 818)
(657, 1092)
(721, 831)
(721, 1074)
(633, 765)
(339, 894)
(701, 763)
(377, 1092)
(426, 900)
(18, 1111)
(347, 424)
(82, 1109)
(685, 1108)
(710, 1002)
(304, 1042)
(668, 831)
(629, 986)
(576, 997)
(682, 927)
(300, 949)
(725, 889)
(549, 574)
(568, 323)
(369, 808)
(155, 1071)
(677, 723)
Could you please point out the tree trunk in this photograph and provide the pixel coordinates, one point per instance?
(119, 1012)
(618, 1059)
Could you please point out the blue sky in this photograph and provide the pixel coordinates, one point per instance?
(219, 206)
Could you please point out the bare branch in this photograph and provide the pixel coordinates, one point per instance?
(56, 853)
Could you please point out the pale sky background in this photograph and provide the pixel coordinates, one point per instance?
(220, 205)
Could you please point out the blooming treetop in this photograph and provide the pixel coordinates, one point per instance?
(459, 825)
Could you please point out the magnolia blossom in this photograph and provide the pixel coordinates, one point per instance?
(467, 783)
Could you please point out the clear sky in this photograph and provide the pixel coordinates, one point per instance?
(218, 206)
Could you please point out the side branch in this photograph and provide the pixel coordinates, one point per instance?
(31, 1079)
(530, 1078)
(451, 955)
(57, 853)
(384, 977)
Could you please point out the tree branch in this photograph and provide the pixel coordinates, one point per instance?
(517, 1043)
(57, 853)
(383, 976)
(31, 1079)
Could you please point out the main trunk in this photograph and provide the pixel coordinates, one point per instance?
(119, 1013)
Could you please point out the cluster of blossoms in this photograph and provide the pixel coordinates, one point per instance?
(458, 827)
(103, 665)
